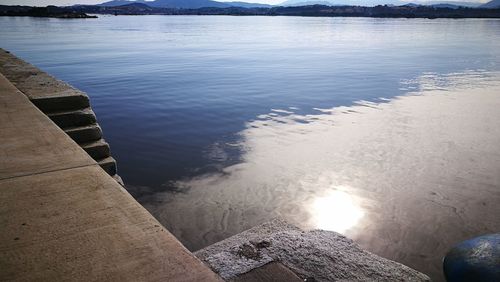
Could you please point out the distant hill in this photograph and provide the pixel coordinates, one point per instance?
(381, 11)
(294, 3)
(451, 4)
(136, 7)
(116, 3)
(492, 4)
(195, 4)
(184, 4)
(187, 4)
(372, 3)
(366, 3)
(444, 4)
(248, 5)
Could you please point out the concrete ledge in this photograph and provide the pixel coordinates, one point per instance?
(84, 134)
(45, 90)
(97, 150)
(62, 101)
(67, 119)
(315, 255)
(108, 165)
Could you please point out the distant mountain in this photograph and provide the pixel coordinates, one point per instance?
(294, 3)
(137, 7)
(185, 4)
(492, 4)
(451, 4)
(366, 3)
(195, 4)
(116, 3)
(248, 5)
(444, 4)
(371, 3)
(382, 11)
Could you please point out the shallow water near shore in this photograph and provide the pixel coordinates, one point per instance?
(385, 130)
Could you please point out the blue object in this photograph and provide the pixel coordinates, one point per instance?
(476, 260)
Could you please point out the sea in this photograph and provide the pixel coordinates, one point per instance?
(384, 130)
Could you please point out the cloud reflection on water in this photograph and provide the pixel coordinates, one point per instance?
(403, 177)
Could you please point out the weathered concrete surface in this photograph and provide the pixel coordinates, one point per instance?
(319, 255)
(273, 271)
(97, 149)
(28, 138)
(79, 224)
(75, 118)
(85, 134)
(108, 165)
(44, 90)
(63, 218)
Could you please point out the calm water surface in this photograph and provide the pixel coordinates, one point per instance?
(221, 123)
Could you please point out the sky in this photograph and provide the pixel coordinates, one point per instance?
(73, 2)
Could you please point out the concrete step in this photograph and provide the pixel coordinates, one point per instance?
(84, 134)
(118, 179)
(61, 102)
(65, 119)
(108, 165)
(97, 149)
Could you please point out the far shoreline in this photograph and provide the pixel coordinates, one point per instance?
(385, 11)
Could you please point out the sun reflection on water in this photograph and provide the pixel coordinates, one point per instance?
(336, 211)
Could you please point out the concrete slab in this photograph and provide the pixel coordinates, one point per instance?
(80, 224)
(30, 141)
(271, 272)
(315, 255)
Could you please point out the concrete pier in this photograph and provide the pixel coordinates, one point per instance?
(62, 217)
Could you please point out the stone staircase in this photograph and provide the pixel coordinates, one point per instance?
(67, 107)
(82, 127)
